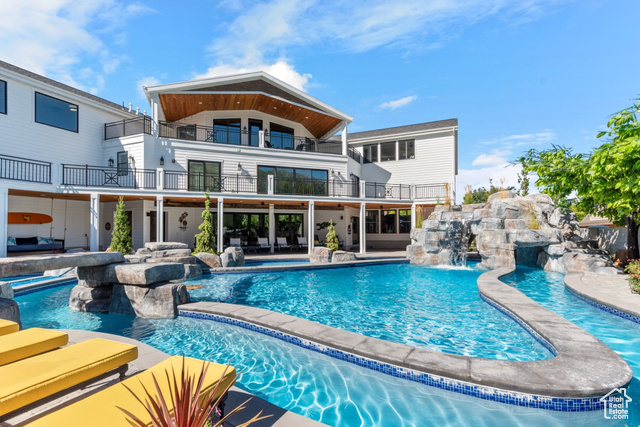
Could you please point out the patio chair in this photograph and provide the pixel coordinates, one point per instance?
(282, 244)
(302, 243)
(263, 244)
(235, 242)
(102, 408)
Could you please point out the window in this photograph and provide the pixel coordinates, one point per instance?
(404, 219)
(293, 181)
(204, 176)
(387, 151)
(123, 163)
(372, 222)
(407, 149)
(255, 126)
(247, 226)
(370, 153)
(226, 131)
(3, 97)
(280, 137)
(289, 226)
(56, 112)
(388, 224)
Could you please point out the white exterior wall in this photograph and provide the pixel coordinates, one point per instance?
(434, 161)
(22, 136)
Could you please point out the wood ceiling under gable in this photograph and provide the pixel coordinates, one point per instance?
(177, 106)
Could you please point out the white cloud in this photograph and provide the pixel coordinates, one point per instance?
(54, 37)
(281, 70)
(267, 29)
(480, 177)
(525, 139)
(496, 158)
(392, 105)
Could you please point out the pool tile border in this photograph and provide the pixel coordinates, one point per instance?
(463, 387)
(605, 307)
(35, 287)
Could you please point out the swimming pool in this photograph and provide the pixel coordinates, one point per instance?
(325, 389)
(433, 308)
(332, 391)
(275, 263)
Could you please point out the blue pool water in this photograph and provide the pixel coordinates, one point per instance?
(336, 392)
(439, 309)
(275, 263)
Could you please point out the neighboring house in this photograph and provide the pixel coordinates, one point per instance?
(276, 161)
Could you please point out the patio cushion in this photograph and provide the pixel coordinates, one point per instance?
(26, 381)
(29, 342)
(8, 327)
(102, 408)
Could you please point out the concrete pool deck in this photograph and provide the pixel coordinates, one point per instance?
(147, 357)
(611, 291)
(583, 369)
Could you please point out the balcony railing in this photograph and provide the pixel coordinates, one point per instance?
(206, 182)
(431, 191)
(21, 169)
(376, 190)
(128, 127)
(354, 154)
(99, 176)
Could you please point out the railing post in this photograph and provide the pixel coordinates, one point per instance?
(412, 192)
(159, 179)
(261, 139)
(270, 184)
(55, 176)
(363, 189)
(237, 183)
(86, 175)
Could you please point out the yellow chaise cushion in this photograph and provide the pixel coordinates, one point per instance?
(26, 381)
(29, 342)
(101, 409)
(8, 327)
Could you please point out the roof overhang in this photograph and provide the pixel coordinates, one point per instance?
(252, 91)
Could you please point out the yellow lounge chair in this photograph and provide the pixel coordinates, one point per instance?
(8, 327)
(29, 380)
(101, 409)
(29, 342)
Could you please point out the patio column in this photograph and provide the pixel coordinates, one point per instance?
(160, 218)
(272, 226)
(344, 138)
(4, 219)
(94, 213)
(312, 229)
(414, 219)
(363, 228)
(220, 239)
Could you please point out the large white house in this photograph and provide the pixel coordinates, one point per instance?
(276, 162)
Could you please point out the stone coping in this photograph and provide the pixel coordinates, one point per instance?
(583, 368)
(609, 293)
(308, 266)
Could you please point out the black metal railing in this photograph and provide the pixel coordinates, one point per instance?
(239, 183)
(21, 169)
(128, 127)
(345, 188)
(354, 154)
(375, 190)
(218, 135)
(99, 176)
(431, 191)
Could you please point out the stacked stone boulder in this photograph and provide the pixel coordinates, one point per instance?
(323, 254)
(145, 290)
(162, 252)
(511, 230)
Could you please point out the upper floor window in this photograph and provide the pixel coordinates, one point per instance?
(3, 97)
(407, 149)
(294, 180)
(56, 112)
(204, 176)
(227, 131)
(123, 163)
(387, 151)
(280, 137)
(370, 153)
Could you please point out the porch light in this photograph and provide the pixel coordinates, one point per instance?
(161, 160)
(239, 167)
(110, 162)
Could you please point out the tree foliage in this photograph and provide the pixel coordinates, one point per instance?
(206, 239)
(481, 194)
(121, 234)
(332, 237)
(605, 182)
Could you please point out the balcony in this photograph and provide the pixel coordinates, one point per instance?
(128, 127)
(108, 177)
(28, 170)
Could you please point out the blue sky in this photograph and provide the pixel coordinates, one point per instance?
(517, 74)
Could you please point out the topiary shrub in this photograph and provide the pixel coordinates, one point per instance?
(206, 240)
(332, 237)
(121, 234)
